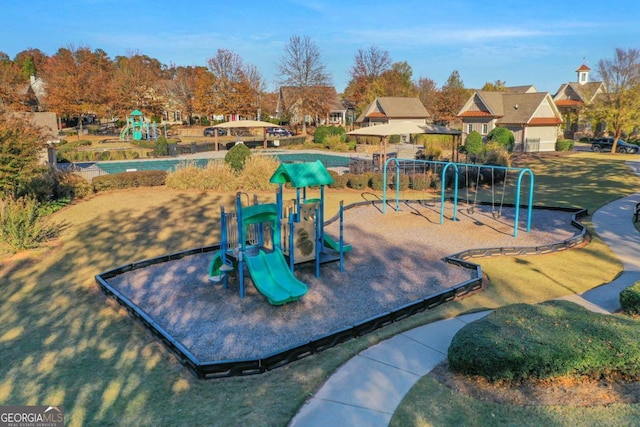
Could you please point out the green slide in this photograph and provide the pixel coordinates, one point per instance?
(332, 244)
(272, 277)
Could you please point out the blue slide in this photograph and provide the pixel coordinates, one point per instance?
(273, 278)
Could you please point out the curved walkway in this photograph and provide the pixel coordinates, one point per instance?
(368, 388)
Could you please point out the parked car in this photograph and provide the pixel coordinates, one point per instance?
(606, 144)
(212, 131)
(279, 132)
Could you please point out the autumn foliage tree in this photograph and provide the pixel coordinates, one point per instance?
(450, 100)
(619, 106)
(368, 67)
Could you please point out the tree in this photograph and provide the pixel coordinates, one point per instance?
(397, 81)
(301, 67)
(368, 66)
(180, 90)
(497, 86)
(236, 85)
(10, 83)
(619, 106)
(136, 85)
(452, 97)
(77, 82)
(20, 144)
(428, 93)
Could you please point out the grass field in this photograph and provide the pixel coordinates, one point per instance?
(63, 342)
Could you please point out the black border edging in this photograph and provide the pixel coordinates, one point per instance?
(243, 367)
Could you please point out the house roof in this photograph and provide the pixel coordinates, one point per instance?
(511, 108)
(583, 67)
(289, 97)
(394, 107)
(581, 93)
(522, 89)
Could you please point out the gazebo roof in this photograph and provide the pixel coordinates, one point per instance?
(300, 175)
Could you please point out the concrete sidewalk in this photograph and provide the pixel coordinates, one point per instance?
(367, 389)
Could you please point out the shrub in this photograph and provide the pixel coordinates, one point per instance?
(236, 156)
(336, 143)
(129, 180)
(420, 182)
(630, 299)
(162, 147)
(497, 155)
(216, 175)
(21, 225)
(339, 181)
(474, 144)
(257, 171)
(357, 181)
(323, 132)
(404, 181)
(376, 181)
(564, 145)
(551, 339)
(72, 186)
(433, 150)
(503, 137)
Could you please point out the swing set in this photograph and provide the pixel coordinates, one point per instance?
(486, 176)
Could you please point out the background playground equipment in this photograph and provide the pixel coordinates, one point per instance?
(138, 128)
(474, 176)
(266, 236)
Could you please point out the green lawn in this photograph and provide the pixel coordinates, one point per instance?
(62, 341)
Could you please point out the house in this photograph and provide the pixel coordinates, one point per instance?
(33, 93)
(335, 111)
(572, 98)
(386, 110)
(533, 117)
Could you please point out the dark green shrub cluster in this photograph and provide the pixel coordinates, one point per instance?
(118, 181)
(630, 299)
(503, 137)
(237, 156)
(323, 132)
(21, 224)
(551, 339)
(564, 145)
(162, 147)
(474, 145)
(357, 181)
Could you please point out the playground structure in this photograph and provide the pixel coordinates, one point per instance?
(490, 175)
(138, 129)
(270, 238)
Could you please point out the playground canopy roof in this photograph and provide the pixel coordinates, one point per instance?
(246, 124)
(403, 128)
(300, 175)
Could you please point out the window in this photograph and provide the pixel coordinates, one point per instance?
(470, 128)
(484, 128)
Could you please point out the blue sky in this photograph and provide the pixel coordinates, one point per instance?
(538, 42)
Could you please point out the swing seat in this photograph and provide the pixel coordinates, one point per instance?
(495, 214)
(470, 210)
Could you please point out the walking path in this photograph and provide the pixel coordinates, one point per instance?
(368, 388)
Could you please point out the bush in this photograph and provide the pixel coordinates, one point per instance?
(474, 144)
(257, 171)
(551, 339)
(502, 136)
(357, 181)
(339, 181)
(433, 150)
(215, 176)
(21, 225)
(564, 145)
(162, 147)
(376, 181)
(237, 156)
(420, 182)
(404, 181)
(118, 181)
(336, 143)
(630, 299)
(497, 155)
(324, 132)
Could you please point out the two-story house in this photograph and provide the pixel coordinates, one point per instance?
(572, 98)
(532, 116)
